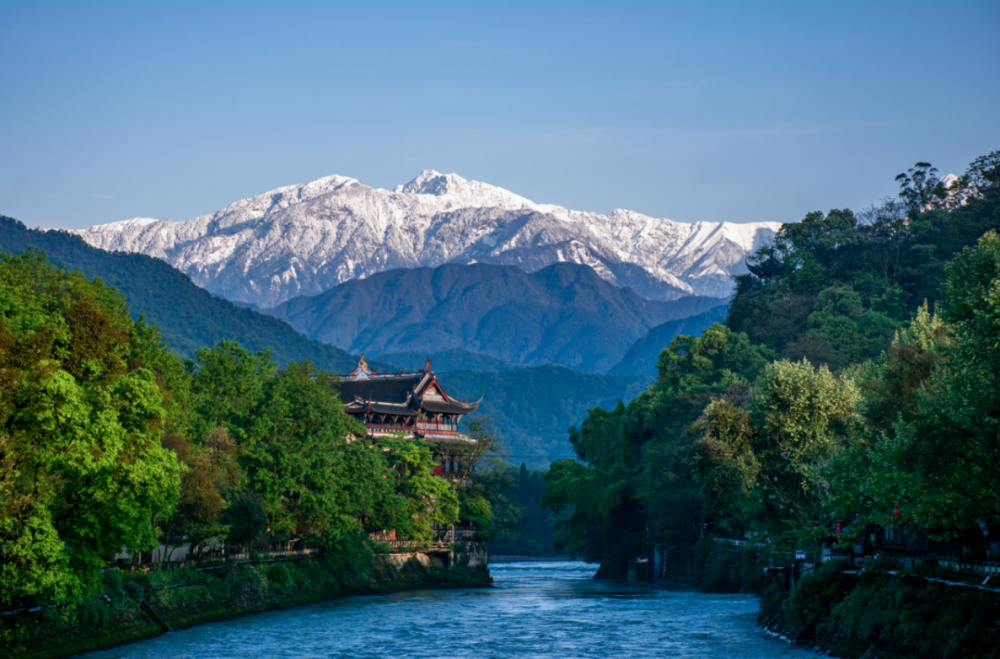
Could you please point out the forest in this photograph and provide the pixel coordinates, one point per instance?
(110, 442)
(855, 385)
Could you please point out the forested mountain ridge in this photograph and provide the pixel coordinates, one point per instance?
(641, 357)
(533, 406)
(188, 316)
(563, 314)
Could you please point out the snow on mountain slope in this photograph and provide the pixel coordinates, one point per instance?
(304, 239)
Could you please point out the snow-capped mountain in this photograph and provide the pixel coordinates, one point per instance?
(304, 239)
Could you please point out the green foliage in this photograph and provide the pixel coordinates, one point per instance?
(245, 518)
(429, 500)
(299, 455)
(293, 455)
(834, 397)
(130, 607)
(227, 382)
(523, 526)
(832, 288)
(900, 617)
(350, 555)
(840, 331)
(108, 442)
(773, 446)
(638, 482)
(82, 471)
(943, 455)
(211, 475)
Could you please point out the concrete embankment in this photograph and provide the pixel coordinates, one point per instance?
(132, 607)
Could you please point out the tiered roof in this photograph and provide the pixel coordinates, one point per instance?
(365, 390)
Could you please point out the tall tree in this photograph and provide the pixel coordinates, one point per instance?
(82, 470)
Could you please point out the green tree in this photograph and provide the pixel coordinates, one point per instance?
(638, 485)
(227, 382)
(920, 188)
(245, 518)
(429, 500)
(944, 451)
(211, 478)
(82, 470)
(294, 456)
(763, 460)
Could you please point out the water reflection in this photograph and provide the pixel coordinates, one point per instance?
(534, 610)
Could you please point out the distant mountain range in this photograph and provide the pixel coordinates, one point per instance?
(305, 239)
(643, 355)
(563, 314)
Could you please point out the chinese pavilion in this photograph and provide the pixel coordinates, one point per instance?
(411, 403)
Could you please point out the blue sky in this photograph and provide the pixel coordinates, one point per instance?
(693, 111)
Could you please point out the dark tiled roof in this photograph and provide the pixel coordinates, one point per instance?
(403, 410)
(454, 407)
(384, 389)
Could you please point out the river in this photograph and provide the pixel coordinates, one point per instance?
(539, 610)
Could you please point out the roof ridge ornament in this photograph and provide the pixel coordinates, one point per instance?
(361, 372)
(427, 366)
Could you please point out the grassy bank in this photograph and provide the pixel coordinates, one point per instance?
(134, 607)
(890, 616)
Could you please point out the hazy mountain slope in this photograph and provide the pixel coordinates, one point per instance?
(188, 316)
(563, 314)
(447, 360)
(534, 407)
(304, 239)
(642, 357)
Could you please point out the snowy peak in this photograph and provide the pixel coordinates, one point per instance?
(452, 188)
(432, 182)
(307, 238)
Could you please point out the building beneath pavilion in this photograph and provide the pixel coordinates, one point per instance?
(414, 404)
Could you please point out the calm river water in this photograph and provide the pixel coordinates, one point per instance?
(535, 610)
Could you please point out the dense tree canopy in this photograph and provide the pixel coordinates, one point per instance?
(109, 442)
(636, 474)
(836, 398)
(82, 409)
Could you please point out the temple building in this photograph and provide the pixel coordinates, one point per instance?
(411, 403)
(416, 405)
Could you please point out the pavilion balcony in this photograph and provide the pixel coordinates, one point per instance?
(389, 428)
(447, 427)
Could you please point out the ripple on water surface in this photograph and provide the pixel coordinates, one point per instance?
(535, 610)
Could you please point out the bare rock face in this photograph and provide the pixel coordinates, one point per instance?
(305, 239)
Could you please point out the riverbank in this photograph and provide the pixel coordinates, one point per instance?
(885, 613)
(133, 607)
(882, 611)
